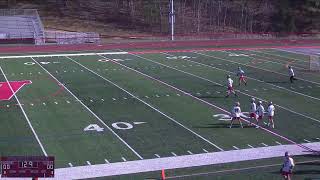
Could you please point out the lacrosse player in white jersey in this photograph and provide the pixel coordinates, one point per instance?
(230, 87)
(253, 109)
(236, 114)
(271, 110)
(260, 111)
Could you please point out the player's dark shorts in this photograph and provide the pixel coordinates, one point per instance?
(260, 117)
(285, 173)
(253, 115)
(230, 88)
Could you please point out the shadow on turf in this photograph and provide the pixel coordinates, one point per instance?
(223, 125)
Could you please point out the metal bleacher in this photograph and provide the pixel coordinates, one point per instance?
(21, 24)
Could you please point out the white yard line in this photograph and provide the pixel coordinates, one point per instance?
(268, 61)
(254, 67)
(86, 107)
(205, 102)
(211, 82)
(157, 164)
(147, 104)
(263, 52)
(25, 115)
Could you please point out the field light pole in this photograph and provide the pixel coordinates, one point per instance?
(172, 19)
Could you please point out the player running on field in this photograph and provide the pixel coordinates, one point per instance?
(271, 110)
(230, 87)
(287, 167)
(260, 111)
(291, 74)
(240, 74)
(253, 109)
(236, 114)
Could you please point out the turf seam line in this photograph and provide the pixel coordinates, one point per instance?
(254, 67)
(147, 104)
(24, 113)
(86, 107)
(253, 96)
(267, 130)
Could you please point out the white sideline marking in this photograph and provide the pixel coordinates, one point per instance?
(123, 159)
(24, 113)
(238, 90)
(264, 144)
(250, 146)
(70, 165)
(157, 155)
(56, 55)
(157, 164)
(235, 147)
(88, 162)
(97, 117)
(278, 143)
(307, 141)
(149, 104)
(174, 154)
(205, 150)
(190, 152)
(106, 160)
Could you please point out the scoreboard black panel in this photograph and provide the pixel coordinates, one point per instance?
(27, 166)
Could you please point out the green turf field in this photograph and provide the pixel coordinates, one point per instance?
(120, 107)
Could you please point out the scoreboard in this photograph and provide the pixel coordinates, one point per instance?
(27, 166)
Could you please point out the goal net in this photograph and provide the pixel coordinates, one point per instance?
(314, 63)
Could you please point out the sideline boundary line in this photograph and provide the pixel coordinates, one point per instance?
(210, 104)
(86, 107)
(185, 161)
(24, 113)
(147, 104)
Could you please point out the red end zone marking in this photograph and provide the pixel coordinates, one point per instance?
(5, 91)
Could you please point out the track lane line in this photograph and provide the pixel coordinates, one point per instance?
(86, 107)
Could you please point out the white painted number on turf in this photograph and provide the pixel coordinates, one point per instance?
(93, 127)
(179, 57)
(122, 125)
(233, 54)
(226, 117)
(42, 62)
(125, 125)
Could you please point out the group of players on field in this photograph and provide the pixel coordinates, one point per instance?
(256, 111)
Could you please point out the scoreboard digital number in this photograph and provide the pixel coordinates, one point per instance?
(27, 166)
